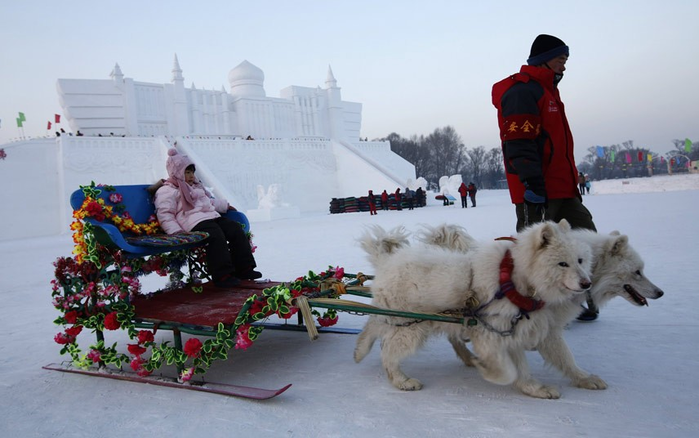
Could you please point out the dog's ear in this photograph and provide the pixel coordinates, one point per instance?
(615, 233)
(619, 244)
(547, 233)
(564, 225)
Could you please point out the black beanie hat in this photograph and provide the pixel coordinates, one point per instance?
(545, 48)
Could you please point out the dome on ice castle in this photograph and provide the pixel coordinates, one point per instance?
(246, 80)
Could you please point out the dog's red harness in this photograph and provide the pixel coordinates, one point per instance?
(507, 288)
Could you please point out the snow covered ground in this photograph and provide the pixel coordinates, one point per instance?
(646, 355)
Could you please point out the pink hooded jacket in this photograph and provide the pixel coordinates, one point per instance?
(174, 212)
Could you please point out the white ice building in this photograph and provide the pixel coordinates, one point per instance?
(306, 148)
(123, 106)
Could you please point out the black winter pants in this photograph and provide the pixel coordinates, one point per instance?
(571, 210)
(228, 249)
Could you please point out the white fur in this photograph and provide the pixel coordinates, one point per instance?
(617, 270)
(548, 264)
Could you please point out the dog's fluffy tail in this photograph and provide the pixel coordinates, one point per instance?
(449, 236)
(377, 242)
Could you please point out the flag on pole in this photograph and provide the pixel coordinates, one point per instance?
(49, 125)
(650, 157)
(57, 118)
(19, 122)
(628, 157)
(687, 145)
(612, 156)
(640, 156)
(22, 118)
(600, 151)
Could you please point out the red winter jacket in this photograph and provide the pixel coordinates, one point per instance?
(536, 139)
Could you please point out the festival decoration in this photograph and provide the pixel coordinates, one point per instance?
(93, 289)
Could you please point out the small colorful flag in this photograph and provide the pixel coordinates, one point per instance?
(58, 118)
(600, 151)
(650, 157)
(22, 118)
(640, 156)
(49, 125)
(19, 122)
(613, 156)
(628, 157)
(687, 145)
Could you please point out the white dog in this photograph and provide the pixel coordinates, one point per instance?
(617, 270)
(546, 266)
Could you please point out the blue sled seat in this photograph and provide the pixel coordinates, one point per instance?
(138, 202)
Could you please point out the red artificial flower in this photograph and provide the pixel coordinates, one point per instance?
(145, 336)
(192, 347)
(143, 372)
(71, 317)
(62, 339)
(111, 322)
(137, 363)
(74, 331)
(292, 312)
(136, 349)
(94, 209)
(327, 321)
(339, 273)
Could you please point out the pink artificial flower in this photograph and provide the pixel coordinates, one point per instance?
(339, 272)
(115, 198)
(187, 374)
(242, 340)
(95, 355)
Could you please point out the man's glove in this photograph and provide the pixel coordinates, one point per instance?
(535, 192)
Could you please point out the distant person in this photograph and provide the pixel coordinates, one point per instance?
(398, 199)
(184, 204)
(537, 144)
(472, 193)
(581, 183)
(463, 192)
(384, 200)
(420, 197)
(58, 134)
(409, 195)
(372, 203)
(587, 184)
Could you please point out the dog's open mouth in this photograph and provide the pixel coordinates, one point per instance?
(638, 298)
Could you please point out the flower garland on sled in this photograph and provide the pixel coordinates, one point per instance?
(93, 292)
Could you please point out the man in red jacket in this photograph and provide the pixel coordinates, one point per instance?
(537, 144)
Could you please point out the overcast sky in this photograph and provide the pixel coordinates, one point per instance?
(414, 65)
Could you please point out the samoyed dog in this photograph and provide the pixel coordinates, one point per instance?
(617, 270)
(502, 286)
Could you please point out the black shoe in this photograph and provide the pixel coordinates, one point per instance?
(250, 275)
(587, 315)
(227, 282)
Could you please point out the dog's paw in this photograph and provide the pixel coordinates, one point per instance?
(591, 382)
(409, 385)
(540, 391)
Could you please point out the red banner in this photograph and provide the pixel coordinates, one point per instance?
(48, 126)
(58, 118)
